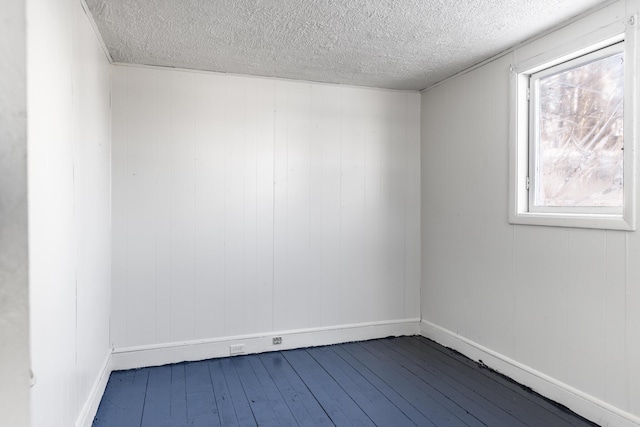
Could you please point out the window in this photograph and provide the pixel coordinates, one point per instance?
(573, 136)
(576, 140)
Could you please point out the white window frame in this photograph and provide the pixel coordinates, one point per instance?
(534, 129)
(520, 122)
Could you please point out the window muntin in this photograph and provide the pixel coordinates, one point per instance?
(576, 135)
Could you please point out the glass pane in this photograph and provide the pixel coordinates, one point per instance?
(580, 136)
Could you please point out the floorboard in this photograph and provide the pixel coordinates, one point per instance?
(406, 381)
(202, 409)
(223, 396)
(303, 404)
(157, 402)
(243, 411)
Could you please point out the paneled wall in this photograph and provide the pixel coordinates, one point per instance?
(565, 302)
(246, 205)
(69, 134)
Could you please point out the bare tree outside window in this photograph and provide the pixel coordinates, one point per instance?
(579, 150)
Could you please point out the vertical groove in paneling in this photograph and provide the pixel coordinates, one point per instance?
(405, 189)
(163, 207)
(234, 206)
(279, 210)
(314, 294)
(182, 205)
(330, 213)
(126, 219)
(156, 150)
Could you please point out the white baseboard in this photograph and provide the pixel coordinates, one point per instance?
(157, 355)
(90, 407)
(581, 403)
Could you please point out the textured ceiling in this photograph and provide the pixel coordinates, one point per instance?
(397, 44)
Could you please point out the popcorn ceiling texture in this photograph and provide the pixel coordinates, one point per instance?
(408, 44)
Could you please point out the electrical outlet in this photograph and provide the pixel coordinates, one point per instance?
(277, 340)
(236, 349)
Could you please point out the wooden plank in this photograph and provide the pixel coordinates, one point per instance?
(123, 400)
(342, 410)
(632, 329)
(426, 397)
(244, 412)
(352, 209)
(375, 404)
(267, 408)
(377, 274)
(395, 204)
(615, 373)
(330, 229)
(182, 205)
(512, 386)
(301, 401)
(280, 285)
(263, 100)
(224, 399)
(178, 395)
(157, 402)
(250, 211)
(412, 222)
(281, 410)
(314, 272)
(201, 404)
(163, 209)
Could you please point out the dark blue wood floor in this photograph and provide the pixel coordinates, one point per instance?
(407, 381)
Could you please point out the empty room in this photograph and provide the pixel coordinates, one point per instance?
(279, 212)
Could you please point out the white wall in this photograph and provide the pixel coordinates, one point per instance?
(69, 209)
(247, 205)
(14, 313)
(563, 302)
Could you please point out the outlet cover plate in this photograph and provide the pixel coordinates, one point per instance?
(236, 349)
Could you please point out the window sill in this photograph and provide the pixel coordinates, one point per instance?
(602, 222)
